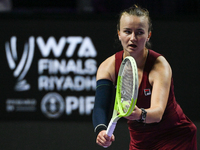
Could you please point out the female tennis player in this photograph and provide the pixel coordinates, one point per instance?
(157, 121)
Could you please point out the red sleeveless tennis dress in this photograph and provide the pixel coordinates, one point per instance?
(174, 132)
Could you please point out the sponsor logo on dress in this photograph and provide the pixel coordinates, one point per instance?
(147, 92)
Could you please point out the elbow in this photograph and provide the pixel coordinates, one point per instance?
(154, 120)
(155, 117)
(158, 116)
(158, 119)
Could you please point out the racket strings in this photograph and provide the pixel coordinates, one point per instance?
(127, 82)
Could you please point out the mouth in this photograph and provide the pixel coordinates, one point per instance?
(132, 45)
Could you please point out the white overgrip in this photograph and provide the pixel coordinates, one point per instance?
(111, 128)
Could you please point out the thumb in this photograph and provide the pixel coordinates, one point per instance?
(112, 138)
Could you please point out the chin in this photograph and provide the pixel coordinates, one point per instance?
(129, 52)
(132, 50)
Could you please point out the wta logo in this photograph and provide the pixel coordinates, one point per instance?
(49, 67)
(20, 66)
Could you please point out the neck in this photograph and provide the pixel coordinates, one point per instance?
(140, 57)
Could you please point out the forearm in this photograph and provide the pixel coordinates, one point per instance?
(103, 99)
(153, 115)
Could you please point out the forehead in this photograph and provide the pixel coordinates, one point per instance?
(133, 21)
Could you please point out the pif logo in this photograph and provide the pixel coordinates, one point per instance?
(52, 105)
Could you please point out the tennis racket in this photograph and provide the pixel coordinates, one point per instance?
(126, 92)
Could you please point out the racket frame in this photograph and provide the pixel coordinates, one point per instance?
(118, 107)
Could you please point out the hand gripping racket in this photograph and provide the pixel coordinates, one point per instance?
(126, 92)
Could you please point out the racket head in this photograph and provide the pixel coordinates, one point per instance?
(127, 87)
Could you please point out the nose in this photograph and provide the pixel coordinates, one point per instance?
(133, 37)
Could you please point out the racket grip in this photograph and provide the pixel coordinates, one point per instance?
(111, 128)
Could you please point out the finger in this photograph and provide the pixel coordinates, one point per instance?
(107, 137)
(109, 140)
(128, 117)
(103, 138)
(103, 142)
(107, 143)
(113, 138)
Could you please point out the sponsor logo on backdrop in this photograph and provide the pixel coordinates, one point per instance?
(52, 105)
(83, 68)
(64, 65)
(21, 68)
(23, 105)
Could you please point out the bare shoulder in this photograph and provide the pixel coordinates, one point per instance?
(160, 70)
(106, 69)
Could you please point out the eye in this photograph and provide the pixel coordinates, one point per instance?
(127, 31)
(140, 32)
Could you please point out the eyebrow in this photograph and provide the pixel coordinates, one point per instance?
(131, 29)
(140, 29)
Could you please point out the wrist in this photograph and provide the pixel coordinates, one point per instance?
(99, 128)
(143, 115)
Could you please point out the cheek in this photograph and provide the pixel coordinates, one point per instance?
(143, 39)
(123, 38)
(142, 42)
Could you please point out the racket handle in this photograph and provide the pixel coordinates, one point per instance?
(111, 128)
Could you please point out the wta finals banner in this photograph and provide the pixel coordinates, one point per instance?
(48, 67)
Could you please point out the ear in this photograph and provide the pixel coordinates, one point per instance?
(149, 36)
(118, 32)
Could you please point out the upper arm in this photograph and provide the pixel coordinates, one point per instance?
(160, 78)
(106, 69)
